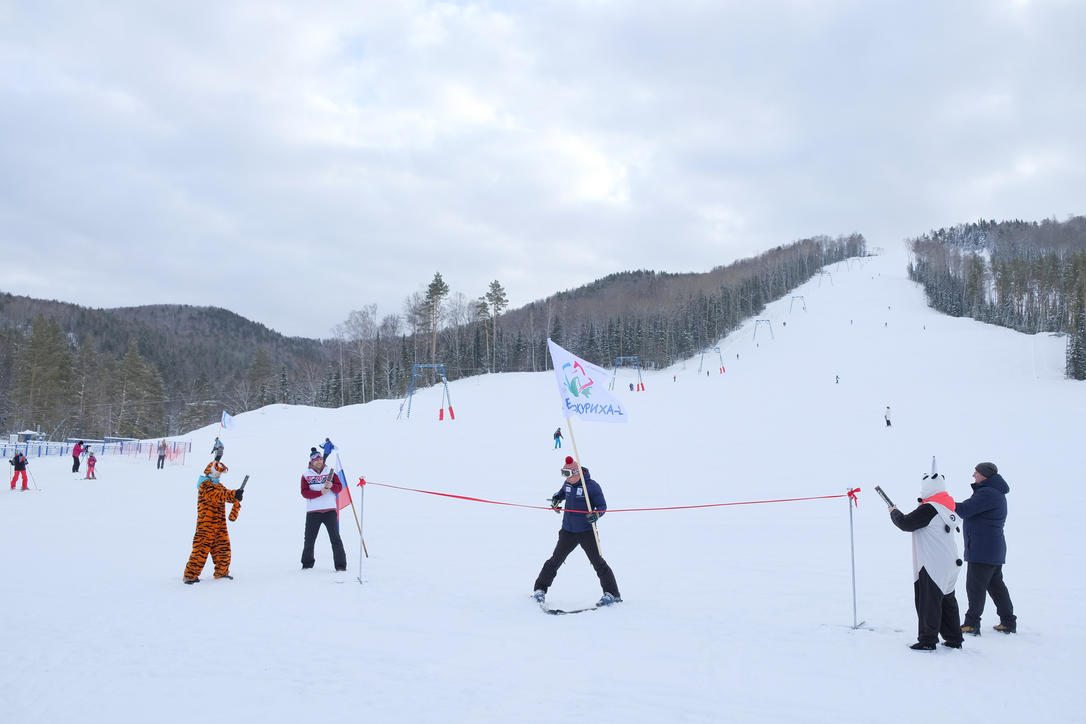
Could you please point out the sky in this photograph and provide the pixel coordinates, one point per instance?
(739, 613)
(246, 154)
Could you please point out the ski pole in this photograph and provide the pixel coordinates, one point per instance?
(32, 480)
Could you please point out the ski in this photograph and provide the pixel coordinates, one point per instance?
(563, 612)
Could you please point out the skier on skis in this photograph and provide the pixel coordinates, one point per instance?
(91, 462)
(935, 563)
(558, 438)
(20, 462)
(217, 449)
(577, 531)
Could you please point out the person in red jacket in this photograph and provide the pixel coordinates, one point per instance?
(91, 462)
(76, 452)
(320, 488)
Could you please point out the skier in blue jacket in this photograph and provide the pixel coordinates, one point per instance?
(984, 515)
(577, 531)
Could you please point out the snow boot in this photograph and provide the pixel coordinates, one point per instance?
(1013, 628)
(540, 596)
(952, 644)
(922, 647)
(971, 630)
(190, 581)
(608, 599)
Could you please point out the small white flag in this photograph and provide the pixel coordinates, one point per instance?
(582, 388)
(227, 421)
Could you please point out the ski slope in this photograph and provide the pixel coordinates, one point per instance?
(736, 613)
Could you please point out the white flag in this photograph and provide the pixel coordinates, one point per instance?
(582, 388)
(227, 421)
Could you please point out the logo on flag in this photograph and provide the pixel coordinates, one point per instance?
(580, 395)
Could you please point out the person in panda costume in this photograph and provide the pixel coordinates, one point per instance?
(936, 563)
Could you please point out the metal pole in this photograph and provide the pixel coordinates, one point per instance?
(361, 538)
(584, 482)
(852, 548)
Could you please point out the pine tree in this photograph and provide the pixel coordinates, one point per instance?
(43, 371)
(498, 301)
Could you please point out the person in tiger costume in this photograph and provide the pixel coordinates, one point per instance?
(211, 536)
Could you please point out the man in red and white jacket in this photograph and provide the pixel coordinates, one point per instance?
(320, 488)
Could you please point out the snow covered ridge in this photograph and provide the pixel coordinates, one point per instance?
(736, 613)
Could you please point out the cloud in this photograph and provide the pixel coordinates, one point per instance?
(294, 162)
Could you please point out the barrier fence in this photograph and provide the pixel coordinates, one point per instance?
(175, 450)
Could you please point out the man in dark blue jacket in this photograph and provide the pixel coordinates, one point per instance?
(577, 531)
(983, 516)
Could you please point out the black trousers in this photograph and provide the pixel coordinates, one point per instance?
(161, 462)
(985, 578)
(313, 522)
(566, 543)
(75, 463)
(936, 613)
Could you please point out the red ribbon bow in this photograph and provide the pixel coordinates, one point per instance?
(852, 496)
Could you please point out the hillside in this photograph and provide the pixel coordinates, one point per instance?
(730, 613)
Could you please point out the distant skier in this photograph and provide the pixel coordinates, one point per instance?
(320, 490)
(327, 448)
(91, 462)
(577, 531)
(162, 449)
(20, 462)
(837, 379)
(76, 452)
(211, 536)
(217, 449)
(558, 438)
(936, 563)
(886, 416)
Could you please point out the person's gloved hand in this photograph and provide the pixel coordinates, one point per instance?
(556, 503)
(592, 517)
(238, 493)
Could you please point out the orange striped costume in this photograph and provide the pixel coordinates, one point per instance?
(211, 536)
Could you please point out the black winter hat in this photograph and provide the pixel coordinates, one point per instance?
(987, 469)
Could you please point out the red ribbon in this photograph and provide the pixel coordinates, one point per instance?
(363, 481)
(852, 496)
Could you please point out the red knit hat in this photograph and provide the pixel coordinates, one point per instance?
(570, 464)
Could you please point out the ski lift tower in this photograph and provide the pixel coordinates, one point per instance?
(416, 371)
(822, 273)
(759, 322)
(802, 301)
(718, 354)
(640, 387)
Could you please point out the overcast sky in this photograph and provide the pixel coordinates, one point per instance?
(292, 161)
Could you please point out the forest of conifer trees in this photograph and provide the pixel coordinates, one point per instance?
(1029, 276)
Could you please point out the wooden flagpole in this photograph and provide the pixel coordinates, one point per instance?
(584, 483)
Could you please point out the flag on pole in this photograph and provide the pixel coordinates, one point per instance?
(227, 421)
(344, 498)
(582, 389)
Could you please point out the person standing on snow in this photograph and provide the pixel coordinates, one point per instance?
(327, 448)
(217, 449)
(211, 536)
(886, 416)
(985, 514)
(76, 452)
(558, 439)
(935, 564)
(161, 454)
(91, 462)
(20, 462)
(320, 488)
(577, 531)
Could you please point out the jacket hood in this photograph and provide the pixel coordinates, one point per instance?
(996, 482)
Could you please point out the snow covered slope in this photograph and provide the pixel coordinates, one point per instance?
(738, 613)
